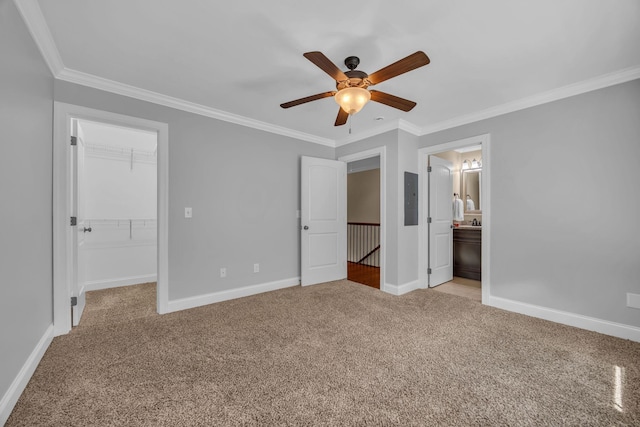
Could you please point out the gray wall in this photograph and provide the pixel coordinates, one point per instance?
(565, 197)
(408, 236)
(26, 108)
(243, 185)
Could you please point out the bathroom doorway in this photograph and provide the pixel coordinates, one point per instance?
(469, 201)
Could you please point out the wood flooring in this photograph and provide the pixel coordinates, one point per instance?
(364, 274)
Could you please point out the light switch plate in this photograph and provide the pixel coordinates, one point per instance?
(188, 212)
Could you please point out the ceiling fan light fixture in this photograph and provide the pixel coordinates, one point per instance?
(352, 99)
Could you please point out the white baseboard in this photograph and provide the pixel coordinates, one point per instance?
(606, 327)
(18, 385)
(120, 281)
(401, 289)
(200, 300)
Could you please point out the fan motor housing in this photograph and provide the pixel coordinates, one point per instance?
(356, 78)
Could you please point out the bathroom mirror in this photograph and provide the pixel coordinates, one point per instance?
(470, 193)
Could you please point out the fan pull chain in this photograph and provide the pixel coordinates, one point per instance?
(350, 123)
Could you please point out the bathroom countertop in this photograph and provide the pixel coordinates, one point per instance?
(468, 227)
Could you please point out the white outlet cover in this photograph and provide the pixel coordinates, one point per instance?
(188, 212)
(633, 300)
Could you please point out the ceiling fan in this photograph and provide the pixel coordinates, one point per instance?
(352, 93)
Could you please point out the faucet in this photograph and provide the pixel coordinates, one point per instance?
(475, 221)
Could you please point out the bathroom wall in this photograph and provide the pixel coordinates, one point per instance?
(457, 158)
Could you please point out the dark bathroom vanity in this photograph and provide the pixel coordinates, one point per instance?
(467, 251)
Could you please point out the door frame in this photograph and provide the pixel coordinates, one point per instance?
(62, 233)
(423, 156)
(374, 152)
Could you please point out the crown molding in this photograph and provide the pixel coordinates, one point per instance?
(600, 82)
(112, 86)
(37, 26)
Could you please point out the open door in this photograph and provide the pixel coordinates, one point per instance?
(78, 274)
(323, 220)
(440, 225)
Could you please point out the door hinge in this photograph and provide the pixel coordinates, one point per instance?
(74, 220)
(429, 270)
(74, 140)
(428, 168)
(74, 301)
(428, 220)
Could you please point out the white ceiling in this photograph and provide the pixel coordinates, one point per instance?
(245, 57)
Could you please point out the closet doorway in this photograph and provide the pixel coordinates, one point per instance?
(116, 206)
(110, 207)
(468, 245)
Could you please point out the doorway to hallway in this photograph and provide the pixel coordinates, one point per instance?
(367, 263)
(363, 221)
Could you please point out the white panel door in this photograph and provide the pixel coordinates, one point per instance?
(323, 221)
(78, 258)
(441, 226)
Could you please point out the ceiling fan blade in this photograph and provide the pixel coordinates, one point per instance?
(326, 65)
(342, 117)
(392, 100)
(402, 66)
(307, 99)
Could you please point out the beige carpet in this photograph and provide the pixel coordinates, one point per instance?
(331, 354)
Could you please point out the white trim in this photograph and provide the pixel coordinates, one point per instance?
(21, 380)
(94, 285)
(600, 82)
(35, 22)
(423, 153)
(595, 83)
(382, 152)
(112, 86)
(566, 318)
(37, 25)
(63, 113)
(229, 294)
(401, 289)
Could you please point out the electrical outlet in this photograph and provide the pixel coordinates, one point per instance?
(188, 212)
(633, 300)
(256, 268)
(223, 272)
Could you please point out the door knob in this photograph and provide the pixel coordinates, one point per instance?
(86, 230)
(306, 227)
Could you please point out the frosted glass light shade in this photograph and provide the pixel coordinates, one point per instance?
(352, 99)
